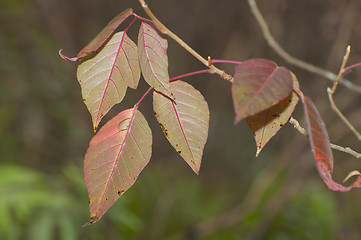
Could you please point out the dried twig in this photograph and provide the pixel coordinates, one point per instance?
(332, 90)
(166, 31)
(347, 150)
(292, 60)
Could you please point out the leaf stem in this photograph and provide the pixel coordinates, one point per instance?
(141, 99)
(223, 61)
(173, 79)
(350, 67)
(191, 74)
(131, 23)
(299, 92)
(166, 31)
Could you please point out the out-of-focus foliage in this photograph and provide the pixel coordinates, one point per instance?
(36, 206)
(304, 217)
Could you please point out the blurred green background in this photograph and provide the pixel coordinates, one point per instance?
(45, 128)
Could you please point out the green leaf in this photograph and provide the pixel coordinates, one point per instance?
(258, 85)
(115, 157)
(105, 77)
(184, 121)
(102, 37)
(320, 145)
(153, 58)
(268, 122)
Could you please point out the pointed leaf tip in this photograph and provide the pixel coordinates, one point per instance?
(117, 154)
(259, 84)
(351, 174)
(73, 59)
(101, 38)
(320, 145)
(184, 122)
(267, 123)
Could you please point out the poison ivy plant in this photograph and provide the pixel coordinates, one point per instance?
(263, 93)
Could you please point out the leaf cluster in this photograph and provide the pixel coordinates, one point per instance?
(263, 93)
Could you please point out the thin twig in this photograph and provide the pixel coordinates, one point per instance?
(332, 90)
(347, 150)
(292, 60)
(341, 71)
(297, 125)
(166, 31)
(223, 61)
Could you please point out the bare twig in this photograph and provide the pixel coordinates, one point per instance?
(166, 31)
(341, 71)
(297, 125)
(332, 90)
(292, 60)
(347, 150)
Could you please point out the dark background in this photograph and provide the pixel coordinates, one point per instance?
(45, 127)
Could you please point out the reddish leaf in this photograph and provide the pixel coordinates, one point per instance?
(153, 58)
(184, 122)
(321, 149)
(259, 84)
(114, 159)
(102, 37)
(268, 122)
(105, 77)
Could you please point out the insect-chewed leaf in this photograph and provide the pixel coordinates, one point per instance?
(259, 84)
(184, 122)
(114, 159)
(268, 122)
(321, 149)
(153, 58)
(105, 77)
